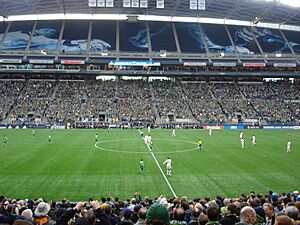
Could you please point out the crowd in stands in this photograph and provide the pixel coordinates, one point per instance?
(202, 104)
(268, 100)
(252, 209)
(170, 99)
(134, 100)
(232, 101)
(9, 92)
(33, 100)
(71, 101)
(286, 90)
(66, 105)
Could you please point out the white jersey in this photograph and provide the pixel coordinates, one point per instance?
(169, 163)
(241, 135)
(209, 132)
(242, 143)
(289, 144)
(146, 139)
(149, 141)
(253, 139)
(149, 129)
(173, 132)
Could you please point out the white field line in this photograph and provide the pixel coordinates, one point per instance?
(159, 167)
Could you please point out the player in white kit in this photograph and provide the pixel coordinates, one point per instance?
(288, 147)
(253, 140)
(169, 166)
(174, 133)
(242, 143)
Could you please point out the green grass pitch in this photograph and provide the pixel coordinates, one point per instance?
(73, 167)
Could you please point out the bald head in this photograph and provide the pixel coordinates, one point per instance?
(142, 213)
(179, 214)
(196, 212)
(27, 213)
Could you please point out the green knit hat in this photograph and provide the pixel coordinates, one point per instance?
(158, 212)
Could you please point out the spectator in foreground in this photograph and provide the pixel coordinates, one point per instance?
(270, 214)
(125, 220)
(195, 216)
(247, 216)
(284, 220)
(157, 215)
(230, 217)
(142, 216)
(41, 214)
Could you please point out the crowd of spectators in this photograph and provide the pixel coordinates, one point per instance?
(204, 108)
(127, 100)
(170, 99)
(268, 100)
(33, 100)
(66, 105)
(134, 100)
(287, 91)
(233, 103)
(252, 209)
(9, 92)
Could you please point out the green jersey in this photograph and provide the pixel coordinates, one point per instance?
(142, 166)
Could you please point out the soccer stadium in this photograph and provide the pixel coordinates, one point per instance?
(149, 112)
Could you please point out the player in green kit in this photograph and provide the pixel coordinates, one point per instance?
(96, 138)
(142, 166)
(49, 139)
(33, 133)
(5, 140)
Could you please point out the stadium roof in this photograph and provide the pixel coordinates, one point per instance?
(267, 11)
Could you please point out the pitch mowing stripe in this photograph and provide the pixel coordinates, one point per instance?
(164, 176)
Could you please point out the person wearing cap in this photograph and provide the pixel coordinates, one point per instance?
(157, 214)
(125, 220)
(260, 215)
(41, 214)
